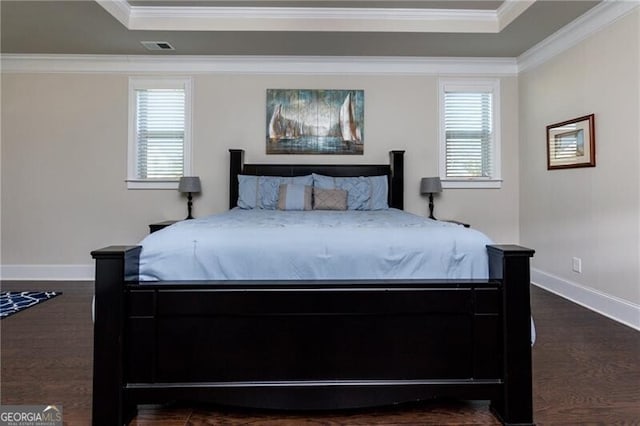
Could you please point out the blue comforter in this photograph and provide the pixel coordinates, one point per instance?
(271, 244)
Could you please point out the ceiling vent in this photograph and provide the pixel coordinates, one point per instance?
(157, 45)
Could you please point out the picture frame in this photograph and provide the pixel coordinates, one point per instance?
(315, 121)
(572, 143)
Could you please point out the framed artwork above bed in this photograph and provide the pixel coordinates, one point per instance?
(303, 121)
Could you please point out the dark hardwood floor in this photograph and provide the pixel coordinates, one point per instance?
(586, 371)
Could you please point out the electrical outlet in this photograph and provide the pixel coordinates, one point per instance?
(577, 265)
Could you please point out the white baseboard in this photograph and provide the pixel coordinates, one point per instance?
(47, 272)
(617, 309)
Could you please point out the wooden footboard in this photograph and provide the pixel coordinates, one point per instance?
(311, 344)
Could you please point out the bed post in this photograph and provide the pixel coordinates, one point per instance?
(236, 163)
(510, 264)
(113, 265)
(396, 193)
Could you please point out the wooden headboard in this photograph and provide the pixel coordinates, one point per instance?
(394, 170)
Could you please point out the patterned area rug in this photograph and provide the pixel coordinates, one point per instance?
(14, 301)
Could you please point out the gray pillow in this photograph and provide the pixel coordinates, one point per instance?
(329, 199)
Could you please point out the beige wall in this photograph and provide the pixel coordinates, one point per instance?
(590, 213)
(64, 143)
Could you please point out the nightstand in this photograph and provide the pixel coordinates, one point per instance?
(160, 225)
(457, 222)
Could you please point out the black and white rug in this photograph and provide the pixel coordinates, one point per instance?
(16, 301)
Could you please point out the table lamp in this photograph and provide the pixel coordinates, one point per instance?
(430, 185)
(190, 185)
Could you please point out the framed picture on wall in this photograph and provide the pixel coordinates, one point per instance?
(303, 121)
(571, 143)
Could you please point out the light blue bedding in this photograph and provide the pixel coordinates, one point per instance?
(270, 244)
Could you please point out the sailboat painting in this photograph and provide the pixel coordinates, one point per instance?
(301, 121)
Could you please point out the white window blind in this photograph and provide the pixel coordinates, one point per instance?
(468, 131)
(159, 132)
(469, 136)
(160, 124)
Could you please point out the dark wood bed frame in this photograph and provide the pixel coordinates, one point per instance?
(312, 344)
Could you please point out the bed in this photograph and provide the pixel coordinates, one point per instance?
(311, 342)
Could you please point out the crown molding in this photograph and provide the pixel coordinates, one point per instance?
(120, 9)
(593, 21)
(599, 17)
(215, 18)
(509, 10)
(311, 19)
(306, 65)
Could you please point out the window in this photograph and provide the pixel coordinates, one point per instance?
(470, 133)
(159, 132)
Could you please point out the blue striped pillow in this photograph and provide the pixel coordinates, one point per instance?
(294, 197)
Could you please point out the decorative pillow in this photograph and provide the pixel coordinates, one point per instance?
(358, 189)
(294, 197)
(261, 192)
(247, 192)
(329, 199)
(268, 187)
(379, 199)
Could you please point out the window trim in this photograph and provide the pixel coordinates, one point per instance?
(133, 182)
(471, 85)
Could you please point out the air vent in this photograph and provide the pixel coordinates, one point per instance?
(157, 45)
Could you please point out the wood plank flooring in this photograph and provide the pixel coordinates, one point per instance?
(586, 371)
